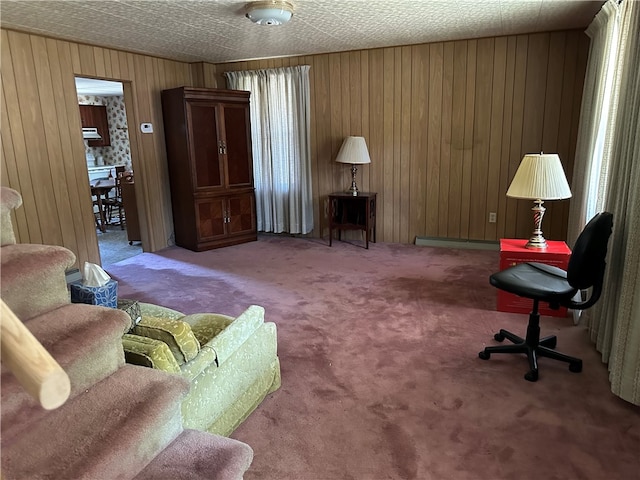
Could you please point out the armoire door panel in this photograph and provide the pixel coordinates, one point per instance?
(237, 131)
(205, 144)
(211, 218)
(241, 214)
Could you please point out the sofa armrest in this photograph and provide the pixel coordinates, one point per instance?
(234, 334)
(205, 359)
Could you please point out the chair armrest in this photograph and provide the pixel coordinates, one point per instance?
(238, 330)
(596, 291)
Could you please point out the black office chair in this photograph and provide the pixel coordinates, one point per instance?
(544, 283)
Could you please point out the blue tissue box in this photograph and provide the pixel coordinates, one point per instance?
(106, 296)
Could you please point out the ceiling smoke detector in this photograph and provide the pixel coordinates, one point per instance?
(269, 12)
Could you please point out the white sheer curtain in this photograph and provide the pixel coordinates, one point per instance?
(614, 322)
(280, 133)
(594, 138)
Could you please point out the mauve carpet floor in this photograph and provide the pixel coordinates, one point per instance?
(380, 371)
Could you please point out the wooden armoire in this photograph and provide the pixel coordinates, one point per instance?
(208, 137)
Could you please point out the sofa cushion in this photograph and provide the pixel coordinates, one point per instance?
(175, 333)
(149, 352)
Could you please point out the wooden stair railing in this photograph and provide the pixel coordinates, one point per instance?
(36, 370)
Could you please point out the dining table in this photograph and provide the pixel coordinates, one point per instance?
(100, 189)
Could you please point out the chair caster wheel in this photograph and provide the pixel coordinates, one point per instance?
(499, 337)
(484, 355)
(575, 367)
(531, 375)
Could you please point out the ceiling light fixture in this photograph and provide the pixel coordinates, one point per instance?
(269, 12)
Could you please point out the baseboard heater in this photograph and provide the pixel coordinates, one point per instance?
(457, 243)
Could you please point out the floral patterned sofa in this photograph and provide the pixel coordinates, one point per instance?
(231, 363)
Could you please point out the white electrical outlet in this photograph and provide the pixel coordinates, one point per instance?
(493, 218)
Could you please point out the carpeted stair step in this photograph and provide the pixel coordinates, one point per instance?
(113, 430)
(33, 278)
(85, 340)
(196, 455)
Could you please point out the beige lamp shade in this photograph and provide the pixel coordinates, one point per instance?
(354, 150)
(540, 177)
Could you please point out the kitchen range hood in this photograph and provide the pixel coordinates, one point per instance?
(91, 134)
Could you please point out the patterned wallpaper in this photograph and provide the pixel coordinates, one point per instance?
(119, 152)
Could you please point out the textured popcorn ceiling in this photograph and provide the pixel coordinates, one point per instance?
(217, 31)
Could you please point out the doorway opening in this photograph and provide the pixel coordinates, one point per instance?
(109, 168)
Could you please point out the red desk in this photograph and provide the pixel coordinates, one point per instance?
(512, 252)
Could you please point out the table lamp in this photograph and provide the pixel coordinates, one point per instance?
(353, 151)
(539, 177)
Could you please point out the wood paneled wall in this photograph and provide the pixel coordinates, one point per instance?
(42, 148)
(446, 124)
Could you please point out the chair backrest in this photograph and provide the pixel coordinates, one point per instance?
(587, 262)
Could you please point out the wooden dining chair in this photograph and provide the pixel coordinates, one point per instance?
(115, 203)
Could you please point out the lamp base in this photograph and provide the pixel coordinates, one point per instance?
(537, 241)
(353, 190)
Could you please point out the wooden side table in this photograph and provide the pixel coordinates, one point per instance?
(513, 252)
(353, 212)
